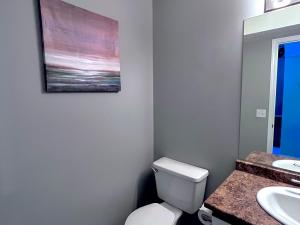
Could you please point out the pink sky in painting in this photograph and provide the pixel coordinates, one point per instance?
(77, 38)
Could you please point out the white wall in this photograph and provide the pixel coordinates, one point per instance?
(73, 159)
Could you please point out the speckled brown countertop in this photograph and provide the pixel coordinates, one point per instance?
(269, 172)
(235, 200)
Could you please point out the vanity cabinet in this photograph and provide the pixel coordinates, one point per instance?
(216, 221)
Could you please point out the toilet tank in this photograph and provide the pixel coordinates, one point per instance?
(180, 184)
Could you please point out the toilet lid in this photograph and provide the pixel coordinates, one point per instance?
(153, 214)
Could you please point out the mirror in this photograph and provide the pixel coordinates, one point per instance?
(270, 101)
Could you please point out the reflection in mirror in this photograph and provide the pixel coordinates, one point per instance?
(272, 160)
(270, 109)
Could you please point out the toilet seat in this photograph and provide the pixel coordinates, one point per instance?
(154, 214)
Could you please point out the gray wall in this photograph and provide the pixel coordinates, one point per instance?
(255, 95)
(73, 159)
(197, 81)
(257, 56)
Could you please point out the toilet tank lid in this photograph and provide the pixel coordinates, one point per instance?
(186, 171)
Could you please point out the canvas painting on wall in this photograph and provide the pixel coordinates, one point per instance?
(81, 49)
(277, 4)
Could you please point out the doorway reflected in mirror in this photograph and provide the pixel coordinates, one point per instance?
(287, 108)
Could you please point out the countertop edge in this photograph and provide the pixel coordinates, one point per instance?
(234, 201)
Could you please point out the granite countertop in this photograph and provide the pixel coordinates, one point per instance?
(235, 200)
(273, 173)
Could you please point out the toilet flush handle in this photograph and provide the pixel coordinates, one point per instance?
(154, 170)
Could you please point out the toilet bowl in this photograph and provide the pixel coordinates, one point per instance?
(180, 185)
(154, 214)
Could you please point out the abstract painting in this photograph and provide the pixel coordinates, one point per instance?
(81, 49)
(277, 4)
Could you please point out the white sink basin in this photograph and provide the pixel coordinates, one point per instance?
(293, 165)
(282, 203)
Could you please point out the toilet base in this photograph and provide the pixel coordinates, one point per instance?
(177, 212)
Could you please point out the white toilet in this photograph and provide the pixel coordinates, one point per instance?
(180, 185)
